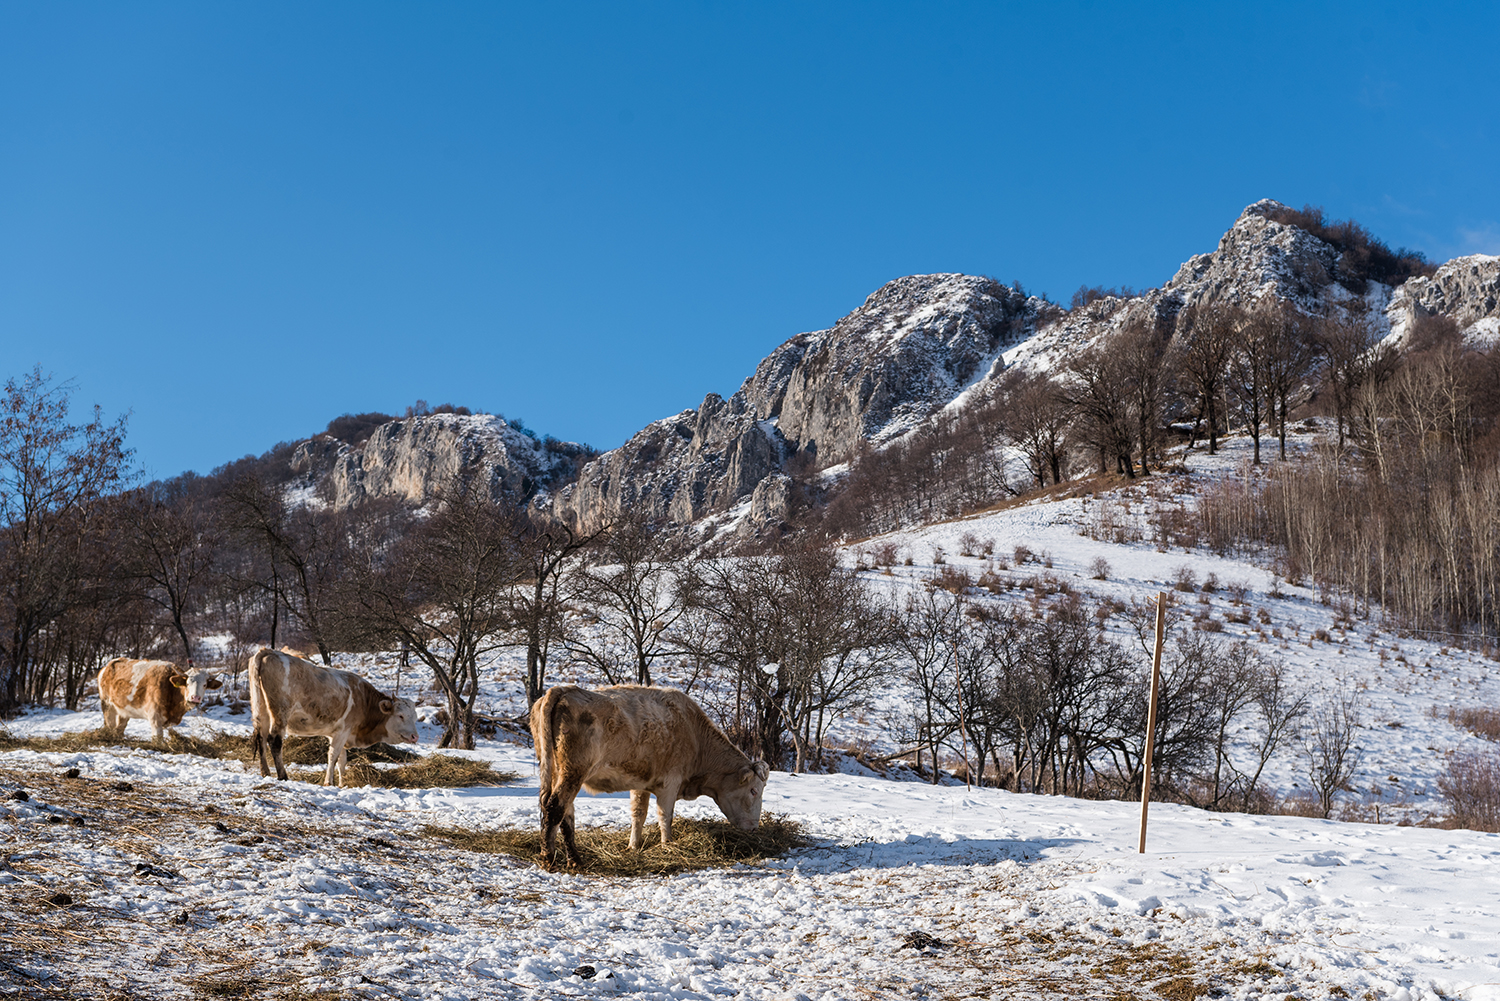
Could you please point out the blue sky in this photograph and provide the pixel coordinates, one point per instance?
(238, 221)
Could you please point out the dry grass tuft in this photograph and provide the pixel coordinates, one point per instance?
(696, 844)
(236, 982)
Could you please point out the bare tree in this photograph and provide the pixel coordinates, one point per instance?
(1033, 414)
(923, 631)
(628, 595)
(304, 553)
(829, 639)
(444, 589)
(1290, 351)
(1331, 752)
(1141, 347)
(171, 541)
(1206, 338)
(1098, 391)
(1351, 361)
(1249, 372)
(537, 602)
(53, 474)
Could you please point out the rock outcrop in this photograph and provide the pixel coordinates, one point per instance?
(677, 469)
(1257, 257)
(1467, 289)
(415, 459)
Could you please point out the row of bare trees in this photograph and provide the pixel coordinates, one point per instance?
(1404, 509)
(1054, 705)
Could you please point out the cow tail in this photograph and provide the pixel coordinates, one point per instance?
(544, 737)
(258, 711)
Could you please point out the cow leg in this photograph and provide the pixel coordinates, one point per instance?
(258, 749)
(567, 833)
(276, 752)
(666, 802)
(337, 759)
(112, 720)
(557, 812)
(640, 802)
(158, 730)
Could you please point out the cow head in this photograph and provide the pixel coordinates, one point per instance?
(400, 722)
(195, 682)
(740, 795)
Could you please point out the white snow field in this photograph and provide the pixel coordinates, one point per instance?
(204, 879)
(1030, 896)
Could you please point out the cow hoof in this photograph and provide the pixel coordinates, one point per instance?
(545, 864)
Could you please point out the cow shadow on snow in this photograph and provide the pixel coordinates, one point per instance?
(915, 849)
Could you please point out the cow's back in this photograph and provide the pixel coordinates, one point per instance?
(612, 739)
(299, 697)
(142, 689)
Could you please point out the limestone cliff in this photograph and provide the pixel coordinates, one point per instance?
(415, 459)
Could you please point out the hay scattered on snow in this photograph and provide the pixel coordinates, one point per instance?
(447, 771)
(696, 844)
(411, 771)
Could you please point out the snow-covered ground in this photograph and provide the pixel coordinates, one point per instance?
(1029, 896)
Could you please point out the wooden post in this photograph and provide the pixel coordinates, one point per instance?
(1161, 627)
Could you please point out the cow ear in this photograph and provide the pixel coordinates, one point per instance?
(215, 682)
(387, 707)
(179, 680)
(762, 770)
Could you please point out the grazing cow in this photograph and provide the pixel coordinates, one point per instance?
(156, 691)
(647, 740)
(290, 696)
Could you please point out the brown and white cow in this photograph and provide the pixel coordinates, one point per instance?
(291, 696)
(647, 740)
(157, 691)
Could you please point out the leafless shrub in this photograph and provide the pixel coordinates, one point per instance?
(1099, 569)
(1471, 790)
(1484, 722)
(1184, 578)
(954, 580)
(1331, 752)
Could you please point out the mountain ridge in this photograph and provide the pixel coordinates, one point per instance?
(911, 349)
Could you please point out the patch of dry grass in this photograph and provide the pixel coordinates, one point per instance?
(67, 742)
(696, 844)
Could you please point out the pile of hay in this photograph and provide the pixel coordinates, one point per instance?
(696, 844)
